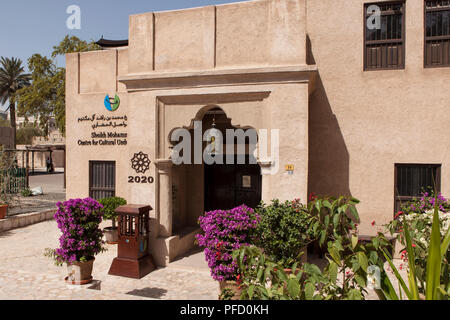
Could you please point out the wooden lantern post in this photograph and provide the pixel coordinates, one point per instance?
(133, 260)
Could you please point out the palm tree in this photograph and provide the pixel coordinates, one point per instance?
(12, 78)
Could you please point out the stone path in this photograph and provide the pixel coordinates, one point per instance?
(26, 274)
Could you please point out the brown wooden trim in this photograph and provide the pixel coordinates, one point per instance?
(435, 38)
(387, 41)
(401, 42)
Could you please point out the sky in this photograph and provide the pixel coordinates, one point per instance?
(35, 26)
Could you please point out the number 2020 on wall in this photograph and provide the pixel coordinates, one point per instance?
(142, 180)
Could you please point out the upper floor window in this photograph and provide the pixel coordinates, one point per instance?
(437, 33)
(384, 35)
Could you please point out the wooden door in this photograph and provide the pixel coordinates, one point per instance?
(229, 186)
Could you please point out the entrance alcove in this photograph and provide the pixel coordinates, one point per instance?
(197, 188)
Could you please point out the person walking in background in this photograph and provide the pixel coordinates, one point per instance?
(49, 165)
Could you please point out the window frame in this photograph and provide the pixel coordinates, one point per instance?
(93, 189)
(367, 4)
(397, 197)
(425, 65)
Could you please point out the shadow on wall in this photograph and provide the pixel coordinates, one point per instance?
(328, 172)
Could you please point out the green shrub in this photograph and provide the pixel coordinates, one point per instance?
(26, 193)
(109, 207)
(344, 278)
(436, 284)
(284, 230)
(334, 218)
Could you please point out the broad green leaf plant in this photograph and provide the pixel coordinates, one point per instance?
(436, 288)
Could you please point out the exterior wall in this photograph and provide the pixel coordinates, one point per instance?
(256, 73)
(91, 76)
(40, 158)
(219, 37)
(362, 123)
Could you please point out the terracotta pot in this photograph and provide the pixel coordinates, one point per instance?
(3, 211)
(233, 286)
(111, 235)
(80, 273)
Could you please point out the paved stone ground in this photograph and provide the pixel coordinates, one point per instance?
(26, 274)
(53, 187)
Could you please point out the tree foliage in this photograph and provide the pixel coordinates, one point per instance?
(26, 134)
(45, 98)
(12, 79)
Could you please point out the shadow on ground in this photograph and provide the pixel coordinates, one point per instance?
(5, 234)
(154, 293)
(95, 285)
(44, 173)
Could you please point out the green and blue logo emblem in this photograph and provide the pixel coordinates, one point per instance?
(112, 104)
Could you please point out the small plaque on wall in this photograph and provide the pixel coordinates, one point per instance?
(246, 181)
(290, 167)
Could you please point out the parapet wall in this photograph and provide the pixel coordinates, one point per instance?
(247, 34)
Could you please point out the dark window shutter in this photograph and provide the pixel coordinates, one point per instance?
(412, 179)
(384, 48)
(102, 179)
(437, 33)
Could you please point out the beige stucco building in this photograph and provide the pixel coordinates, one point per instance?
(355, 116)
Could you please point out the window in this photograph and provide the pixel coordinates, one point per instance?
(411, 179)
(384, 42)
(437, 33)
(102, 179)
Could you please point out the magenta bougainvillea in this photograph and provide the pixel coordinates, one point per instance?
(79, 220)
(223, 232)
(426, 203)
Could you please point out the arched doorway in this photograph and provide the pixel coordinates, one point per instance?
(200, 187)
(227, 186)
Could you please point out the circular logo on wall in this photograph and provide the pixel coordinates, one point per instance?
(112, 104)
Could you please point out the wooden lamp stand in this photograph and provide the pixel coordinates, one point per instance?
(133, 259)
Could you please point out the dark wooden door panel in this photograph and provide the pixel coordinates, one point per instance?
(229, 186)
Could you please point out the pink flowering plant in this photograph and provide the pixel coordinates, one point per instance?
(223, 232)
(426, 203)
(418, 217)
(81, 240)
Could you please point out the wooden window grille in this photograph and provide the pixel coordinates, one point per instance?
(128, 225)
(437, 33)
(384, 48)
(102, 179)
(412, 179)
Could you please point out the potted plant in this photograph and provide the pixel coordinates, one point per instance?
(284, 232)
(81, 241)
(4, 199)
(3, 210)
(109, 213)
(223, 232)
(7, 162)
